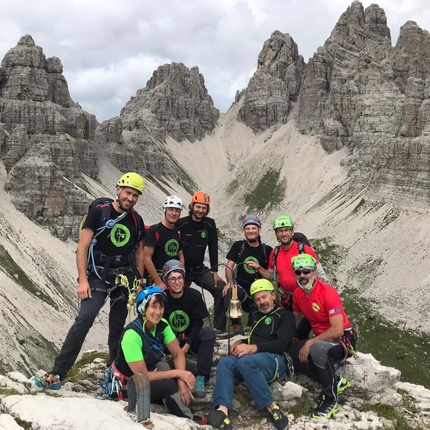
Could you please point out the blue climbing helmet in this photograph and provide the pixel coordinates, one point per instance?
(145, 296)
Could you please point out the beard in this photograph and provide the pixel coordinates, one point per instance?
(266, 310)
(305, 283)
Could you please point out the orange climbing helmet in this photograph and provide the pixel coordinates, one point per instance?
(201, 197)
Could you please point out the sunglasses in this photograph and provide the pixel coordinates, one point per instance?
(298, 272)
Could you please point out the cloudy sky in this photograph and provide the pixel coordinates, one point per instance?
(110, 48)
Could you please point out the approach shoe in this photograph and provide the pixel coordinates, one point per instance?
(342, 384)
(326, 408)
(219, 420)
(48, 380)
(237, 329)
(280, 420)
(220, 332)
(199, 387)
(200, 419)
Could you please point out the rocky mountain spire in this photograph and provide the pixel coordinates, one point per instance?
(175, 102)
(362, 93)
(43, 135)
(275, 84)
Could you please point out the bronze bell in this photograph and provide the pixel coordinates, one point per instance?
(235, 309)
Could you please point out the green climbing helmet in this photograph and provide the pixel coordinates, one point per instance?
(304, 260)
(261, 285)
(283, 221)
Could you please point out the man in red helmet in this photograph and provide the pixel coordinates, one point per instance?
(199, 233)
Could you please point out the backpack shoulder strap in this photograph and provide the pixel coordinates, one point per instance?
(242, 248)
(105, 213)
(275, 256)
(301, 247)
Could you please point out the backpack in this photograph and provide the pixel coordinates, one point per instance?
(104, 203)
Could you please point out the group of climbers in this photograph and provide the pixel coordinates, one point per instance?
(161, 262)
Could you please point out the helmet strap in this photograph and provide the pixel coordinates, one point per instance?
(117, 200)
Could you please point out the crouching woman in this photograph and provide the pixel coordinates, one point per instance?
(141, 350)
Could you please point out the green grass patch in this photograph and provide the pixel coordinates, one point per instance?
(232, 186)
(77, 372)
(302, 406)
(8, 391)
(398, 418)
(24, 424)
(361, 203)
(389, 217)
(49, 224)
(19, 276)
(267, 194)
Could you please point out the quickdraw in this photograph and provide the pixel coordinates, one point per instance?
(122, 281)
(113, 385)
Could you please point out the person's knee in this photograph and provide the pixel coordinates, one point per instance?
(207, 333)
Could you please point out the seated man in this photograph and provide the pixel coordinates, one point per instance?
(257, 360)
(141, 351)
(334, 339)
(185, 312)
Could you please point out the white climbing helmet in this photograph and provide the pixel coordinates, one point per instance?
(173, 202)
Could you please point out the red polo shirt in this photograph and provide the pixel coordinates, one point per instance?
(322, 303)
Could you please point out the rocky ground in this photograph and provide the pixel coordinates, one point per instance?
(376, 400)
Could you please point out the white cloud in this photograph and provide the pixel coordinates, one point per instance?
(110, 48)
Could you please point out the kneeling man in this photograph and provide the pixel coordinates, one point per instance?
(333, 341)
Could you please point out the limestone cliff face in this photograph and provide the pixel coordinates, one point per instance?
(174, 102)
(43, 136)
(360, 92)
(275, 84)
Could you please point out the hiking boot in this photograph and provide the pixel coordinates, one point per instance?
(326, 408)
(237, 329)
(199, 388)
(342, 384)
(49, 380)
(200, 419)
(280, 420)
(220, 332)
(219, 420)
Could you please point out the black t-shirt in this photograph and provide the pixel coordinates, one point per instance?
(186, 314)
(166, 243)
(242, 252)
(196, 236)
(121, 238)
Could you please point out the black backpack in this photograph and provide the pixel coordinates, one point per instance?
(104, 203)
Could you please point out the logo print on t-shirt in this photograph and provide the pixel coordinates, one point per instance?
(268, 321)
(119, 235)
(315, 307)
(203, 234)
(179, 321)
(248, 269)
(171, 248)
